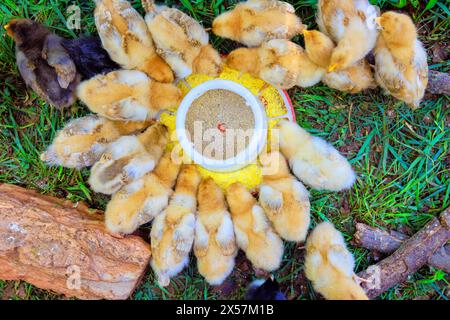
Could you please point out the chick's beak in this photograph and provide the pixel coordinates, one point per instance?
(9, 32)
(305, 32)
(332, 67)
(378, 21)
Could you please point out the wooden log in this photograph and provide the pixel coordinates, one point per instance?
(441, 259)
(410, 257)
(376, 239)
(438, 82)
(388, 241)
(66, 249)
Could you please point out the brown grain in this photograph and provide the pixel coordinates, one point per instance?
(226, 114)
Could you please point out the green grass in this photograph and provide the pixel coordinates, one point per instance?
(401, 157)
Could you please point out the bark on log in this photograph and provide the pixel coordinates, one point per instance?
(376, 239)
(438, 82)
(388, 241)
(441, 259)
(409, 258)
(55, 246)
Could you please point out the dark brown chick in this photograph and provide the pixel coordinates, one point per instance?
(89, 56)
(43, 63)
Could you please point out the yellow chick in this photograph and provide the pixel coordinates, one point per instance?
(245, 60)
(128, 159)
(351, 24)
(256, 21)
(82, 141)
(181, 41)
(125, 36)
(281, 63)
(329, 265)
(127, 95)
(215, 244)
(139, 202)
(284, 199)
(208, 62)
(172, 233)
(254, 234)
(400, 60)
(314, 161)
(318, 47)
(353, 79)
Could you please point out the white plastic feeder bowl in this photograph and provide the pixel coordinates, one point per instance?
(243, 158)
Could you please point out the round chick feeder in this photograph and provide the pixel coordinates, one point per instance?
(274, 104)
(257, 140)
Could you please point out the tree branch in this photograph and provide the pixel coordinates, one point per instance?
(410, 257)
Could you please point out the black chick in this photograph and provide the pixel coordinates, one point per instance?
(89, 56)
(264, 290)
(43, 63)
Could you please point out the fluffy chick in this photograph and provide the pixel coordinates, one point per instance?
(318, 47)
(89, 56)
(181, 41)
(353, 79)
(43, 63)
(127, 95)
(314, 161)
(125, 36)
(208, 62)
(400, 60)
(142, 200)
(329, 265)
(256, 21)
(350, 23)
(215, 243)
(284, 199)
(173, 231)
(281, 63)
(82, 141)
(128, 159)
(254, 234)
